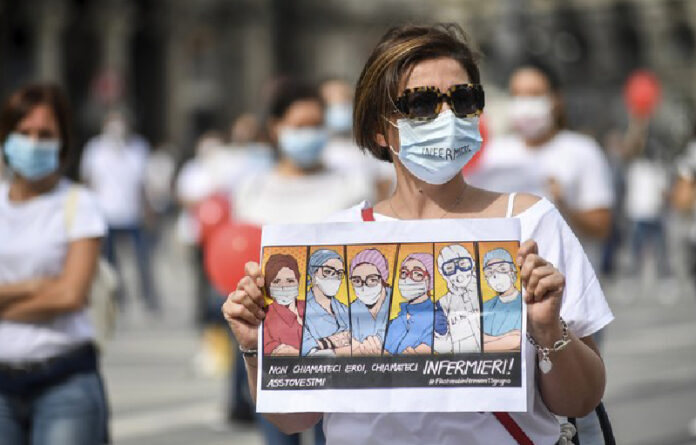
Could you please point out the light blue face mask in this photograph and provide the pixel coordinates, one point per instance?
(339, 117)
(435, 151)
(30, 158)
(303, 146)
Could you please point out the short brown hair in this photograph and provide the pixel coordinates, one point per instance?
(275, 263)
(24, 100)
(395, 54)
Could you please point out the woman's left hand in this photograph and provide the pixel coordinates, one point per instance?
(543, 285)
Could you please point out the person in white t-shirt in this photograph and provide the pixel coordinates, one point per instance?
(429, 137)
(51, 392)
(647, 185)
(543, 158)
(300, 187)
(114, 166)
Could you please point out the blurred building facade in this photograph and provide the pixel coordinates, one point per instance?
(183, 66)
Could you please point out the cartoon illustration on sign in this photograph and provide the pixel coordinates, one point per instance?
(410, 331)
(369, 277)
(327, 322)
(502, 312)
(457, 312)
(282, 329)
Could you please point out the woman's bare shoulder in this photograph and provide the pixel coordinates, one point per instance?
(524, 201)
(494, 204)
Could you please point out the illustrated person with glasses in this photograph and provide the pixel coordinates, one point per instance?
(369, 275)
(502, 314)
(411, 332)
(282, 330)
(457, 313)
(327, 327)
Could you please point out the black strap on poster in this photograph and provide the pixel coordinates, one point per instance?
(350, 314)
(480, 293)
(432, 297)
(391, 297)
(307, 289)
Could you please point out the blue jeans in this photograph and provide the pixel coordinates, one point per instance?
(72, 412)
(653, 232)
(142, 252)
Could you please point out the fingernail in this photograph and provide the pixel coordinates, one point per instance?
(519, 261)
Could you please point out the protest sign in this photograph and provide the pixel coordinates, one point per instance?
(403, 316)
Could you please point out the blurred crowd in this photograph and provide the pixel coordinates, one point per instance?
(298, 163)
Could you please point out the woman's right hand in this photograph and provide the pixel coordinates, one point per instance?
(243, 309)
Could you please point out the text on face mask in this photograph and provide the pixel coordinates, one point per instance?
(446, 153)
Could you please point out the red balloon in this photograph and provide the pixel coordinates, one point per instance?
(211, 213)
(472, 165)
(228, 249)
(642, 93)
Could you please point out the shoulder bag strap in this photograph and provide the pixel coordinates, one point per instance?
(70, 209)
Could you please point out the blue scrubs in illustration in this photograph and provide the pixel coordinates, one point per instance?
(502, 314)
(327, 325)
(369, 276)
(411, 332)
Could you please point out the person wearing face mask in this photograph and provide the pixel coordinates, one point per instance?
(417, 103)
(411, 332)
(327, 327)
(296, 188)
(51, 391)
(540, 156)
(502, 323)
(283, 328)
(341, 153)
(461, 330)
(369, 275)
(114, 167)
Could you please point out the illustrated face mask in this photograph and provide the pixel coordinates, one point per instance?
(435, 151)
(328, 286)
(531, 117)
(411, 290)
(284, 294)
(459, 282)
(32, 159)
(368, 295)
(303, 146)
(500, 282)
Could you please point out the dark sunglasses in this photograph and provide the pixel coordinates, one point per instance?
(465, 100)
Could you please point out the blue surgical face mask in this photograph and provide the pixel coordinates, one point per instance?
(435, 151)
(339, 117)
(303, 146)
(30, 158)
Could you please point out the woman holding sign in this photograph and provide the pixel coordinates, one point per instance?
(417, 105)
